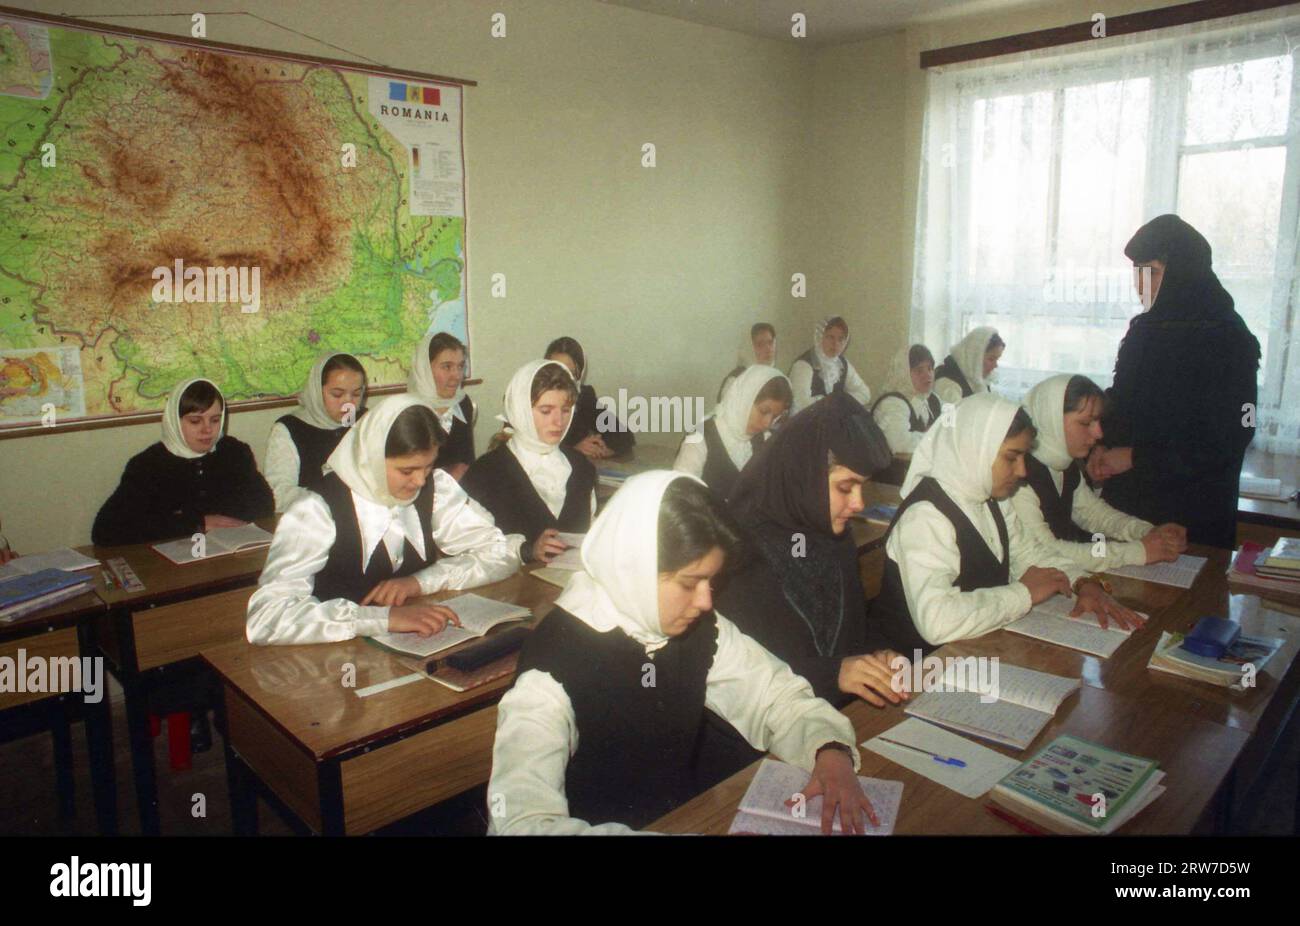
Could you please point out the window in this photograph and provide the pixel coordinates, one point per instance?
(1037, 173)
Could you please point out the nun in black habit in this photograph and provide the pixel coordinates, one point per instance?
(1180, 413)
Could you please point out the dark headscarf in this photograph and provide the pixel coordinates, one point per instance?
(1190, 290)
(784, 491)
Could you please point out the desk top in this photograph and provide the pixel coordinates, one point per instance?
(1195, 754)
(164, 580)
(1260, 511)
(300, 687)
(1196, 731)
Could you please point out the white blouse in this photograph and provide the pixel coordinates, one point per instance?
(893, 418)
(923, 544)
(283, 609)
(801, 377)
(1123, 533)
(755, 692)
(281, 468)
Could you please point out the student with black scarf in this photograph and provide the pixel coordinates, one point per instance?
(1179, 415)
(800, 595)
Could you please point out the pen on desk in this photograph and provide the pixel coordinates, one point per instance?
(108, 578)
(1014, 821)
(946, 760)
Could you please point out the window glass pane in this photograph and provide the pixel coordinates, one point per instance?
(1235, 102)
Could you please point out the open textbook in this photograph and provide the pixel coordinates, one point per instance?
(763, 809)
(570, 559)
(1181, 573)
(220, 542)
(477, 616)
(1025, 701)
(1051, 621)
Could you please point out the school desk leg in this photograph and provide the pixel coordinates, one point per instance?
(146, 784)
(61, 734)
(243, 794)
(98, 721)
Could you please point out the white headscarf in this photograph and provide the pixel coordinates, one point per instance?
(830, 366)
(359, 457)
(959, 452)
(420, 381)
(969, 353)
(311, 400)
(172, 437)
(1046, 405)
(732, 413)
(899, 377)
(547, 470)
(619, 584)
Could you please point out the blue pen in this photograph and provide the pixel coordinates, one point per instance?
(946, 760)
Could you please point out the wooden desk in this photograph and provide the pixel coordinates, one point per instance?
(1192, 729)
(1264, 521)
(151, 639)
(343, 764)
(63, 631)
(1196, 755)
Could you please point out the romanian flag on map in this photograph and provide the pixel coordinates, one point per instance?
(410, 93)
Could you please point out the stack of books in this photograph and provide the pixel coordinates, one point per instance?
(1281, 562)
(1226, 671)
(1243, 576)
(29, 593)
(1074, 786)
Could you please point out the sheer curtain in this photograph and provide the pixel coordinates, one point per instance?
(1038, 168)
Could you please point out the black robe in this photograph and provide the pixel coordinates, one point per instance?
(1185, 377)
(163, 496)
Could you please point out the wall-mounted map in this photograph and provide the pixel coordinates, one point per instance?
(168, 210)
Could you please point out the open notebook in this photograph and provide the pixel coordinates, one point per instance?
(570, 559)
(763, 810)
(1026, 701)
(477, 616)
(1051, 621)
(66, 559)
(220, 542)
(1181, 573)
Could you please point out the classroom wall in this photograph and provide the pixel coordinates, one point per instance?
(649, 268)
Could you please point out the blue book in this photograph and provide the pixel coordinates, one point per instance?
(880, 514)
(52, 585)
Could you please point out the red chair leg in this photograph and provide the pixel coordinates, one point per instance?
(178, 741)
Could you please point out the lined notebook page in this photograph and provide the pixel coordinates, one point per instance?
(1181, 573)
(1001, 721)
(763, 809)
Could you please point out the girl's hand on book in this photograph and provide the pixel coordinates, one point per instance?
(1161, 547)
(834, 780)
(393, 592)
(1044, 583)
(870, 678)
(1176, 533)
(548, 545)
(424, 619)
(213, 522)
(1094, 600)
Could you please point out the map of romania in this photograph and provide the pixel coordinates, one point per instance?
(119, 156)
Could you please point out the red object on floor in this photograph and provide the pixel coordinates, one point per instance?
(155, 725)
(178, 741)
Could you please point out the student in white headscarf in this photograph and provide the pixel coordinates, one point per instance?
(533, 485)
(381, 528)
(968, 366)
(595, 431)
(585, 745)
(196, 479)
(957, 561)
(759, 348)
(823, 368)
(908, 406)
(332, 399)
(438, 377)
(1057, 508)
(726, 440)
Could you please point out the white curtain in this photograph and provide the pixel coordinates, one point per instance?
(1037, 168)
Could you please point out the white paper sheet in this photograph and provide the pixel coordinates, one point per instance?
(984, 767)
(1181, 573)
(763, 810)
